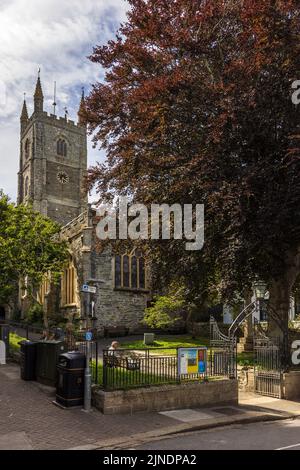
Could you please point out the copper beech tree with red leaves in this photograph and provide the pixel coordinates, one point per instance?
(196, 108)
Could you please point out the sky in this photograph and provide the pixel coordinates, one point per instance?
(55, 36)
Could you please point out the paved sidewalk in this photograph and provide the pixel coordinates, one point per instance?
(252, 408)
(29, 420)
(254, 401)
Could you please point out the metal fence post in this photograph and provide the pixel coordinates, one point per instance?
(96, 362)
(104, 370)
(177, 367)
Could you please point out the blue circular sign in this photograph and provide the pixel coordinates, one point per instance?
(88, 336)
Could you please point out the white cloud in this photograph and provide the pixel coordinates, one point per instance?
(56, 35)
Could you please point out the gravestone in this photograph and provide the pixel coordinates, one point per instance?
(2, 353)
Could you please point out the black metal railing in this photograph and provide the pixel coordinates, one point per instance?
(34, 333)
(92, 352)
(131, 368)
(74, 341)
(127, 368)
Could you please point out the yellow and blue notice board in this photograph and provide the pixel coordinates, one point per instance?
(192, 361)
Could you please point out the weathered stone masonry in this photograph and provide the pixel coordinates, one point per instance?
(51, 178)
(113, 307)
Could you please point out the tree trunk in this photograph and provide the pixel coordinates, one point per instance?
(280, 295)
(278, 313)
(45, 319)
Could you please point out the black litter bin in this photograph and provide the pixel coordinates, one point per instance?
(28, 360)
(70, 383)
(47, 355)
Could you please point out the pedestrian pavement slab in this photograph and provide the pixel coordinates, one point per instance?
(190, 415)
(15, 441)
(27, 408)
(254, 401)
(187, 415)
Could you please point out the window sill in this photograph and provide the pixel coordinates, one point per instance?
(131, 289)
(68, 305)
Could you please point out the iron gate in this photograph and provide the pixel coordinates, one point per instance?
(268, 370)
(268, 355)
(223, 354)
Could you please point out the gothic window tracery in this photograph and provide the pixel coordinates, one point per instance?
(129, 270)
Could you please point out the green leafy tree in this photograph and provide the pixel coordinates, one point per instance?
(166, 310)
(30, 250)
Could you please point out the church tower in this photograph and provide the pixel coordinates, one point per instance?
(53, 161)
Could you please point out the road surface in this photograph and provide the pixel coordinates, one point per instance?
(278, 435)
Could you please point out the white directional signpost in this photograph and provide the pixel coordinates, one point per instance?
(89, 289)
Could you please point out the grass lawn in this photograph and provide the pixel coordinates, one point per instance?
(14, 340)
(174, 342)
(163, 342)
(128, 378)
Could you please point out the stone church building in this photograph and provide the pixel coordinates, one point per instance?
(53, 163)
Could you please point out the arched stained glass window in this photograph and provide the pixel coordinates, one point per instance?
(134, 279)
(126, 274)
(130, 271)
(118, 280)
(141, 273)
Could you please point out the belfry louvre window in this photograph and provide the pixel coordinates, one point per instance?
(27, 149)
(68, 286)
(61, 148)
(130, 271)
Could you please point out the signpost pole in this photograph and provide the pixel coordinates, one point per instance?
(88, 375)
(87, 289)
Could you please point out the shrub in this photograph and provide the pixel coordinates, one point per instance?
(34, 314)
(166, 311)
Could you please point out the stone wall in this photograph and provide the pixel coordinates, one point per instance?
(291, 385)
(167, 397)
(113, 307)
(246, 378)
(290, 382)
(60, 202)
